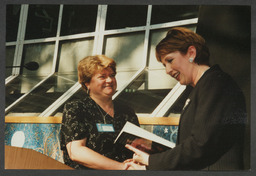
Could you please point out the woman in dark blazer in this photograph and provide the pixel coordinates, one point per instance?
(211, 128)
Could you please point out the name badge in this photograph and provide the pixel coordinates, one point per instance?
(105, 127)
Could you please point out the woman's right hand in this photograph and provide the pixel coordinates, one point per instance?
(83, 155)
(134, 166)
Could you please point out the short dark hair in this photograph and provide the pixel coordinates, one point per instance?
(179, 39)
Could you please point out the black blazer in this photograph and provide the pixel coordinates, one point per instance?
(211, 128)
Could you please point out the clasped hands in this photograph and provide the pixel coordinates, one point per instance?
(139, 160)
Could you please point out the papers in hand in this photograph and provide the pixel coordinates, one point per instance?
(142, 139)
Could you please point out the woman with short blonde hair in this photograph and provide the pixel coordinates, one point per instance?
(91, 124)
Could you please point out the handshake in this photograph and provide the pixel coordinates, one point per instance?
(139, 160)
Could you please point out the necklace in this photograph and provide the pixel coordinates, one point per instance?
(104, 116)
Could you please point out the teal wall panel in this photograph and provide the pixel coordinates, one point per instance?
(43, 138)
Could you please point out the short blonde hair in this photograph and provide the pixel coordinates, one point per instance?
(91, 65)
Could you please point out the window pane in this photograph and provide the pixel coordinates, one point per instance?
(10, 50)
(12, 21)
(155, 37)
(122, 16)
(19, 86)
(169, 13)
(78, 19)
(126, 50)
(79, 95)
(40, 53)
(71, 52)
(42, 21)
(122, 77)
(146, 92)
(43, 96)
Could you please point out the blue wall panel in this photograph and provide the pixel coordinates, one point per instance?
(43, 138)
(166, 132)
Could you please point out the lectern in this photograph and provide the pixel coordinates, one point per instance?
(22, 158)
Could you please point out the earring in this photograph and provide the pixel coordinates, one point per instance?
(191, 59)
(87, 89)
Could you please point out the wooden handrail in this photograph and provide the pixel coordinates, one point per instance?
(57, 120)
(32, 119)
(159, 121)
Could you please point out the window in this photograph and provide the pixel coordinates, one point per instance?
(169, 13)
(12, 22)
(9, 57)
(125, 16)
(42, 21)
(58, 36)
(78, 19)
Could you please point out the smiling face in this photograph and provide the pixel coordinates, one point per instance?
(178, 66)
(184, 55)
(103, 83)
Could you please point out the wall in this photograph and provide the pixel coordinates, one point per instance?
(227, 31)
(45, 137)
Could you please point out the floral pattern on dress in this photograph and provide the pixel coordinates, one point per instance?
(79, 121)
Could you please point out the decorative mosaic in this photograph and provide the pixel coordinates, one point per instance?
(45, 138)
(165, 131)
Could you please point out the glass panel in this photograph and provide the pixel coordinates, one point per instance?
(146, 92)
(71, 52)
(169, 13)
(10, 51)
(126, 50)
(123, 16)
(42, 21)
(80, 94)
(12, 21)
(19, 86)
(40, 53)
(155, 37)
(122, 77)
(78, 19)
(43, 96)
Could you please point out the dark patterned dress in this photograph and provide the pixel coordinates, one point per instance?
(79, 121)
